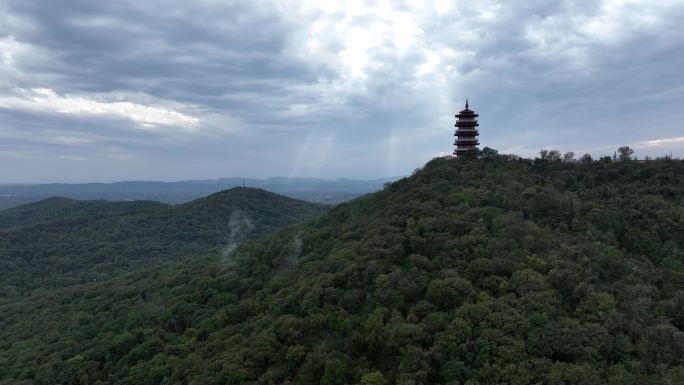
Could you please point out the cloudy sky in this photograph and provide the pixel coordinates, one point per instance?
(174, 89)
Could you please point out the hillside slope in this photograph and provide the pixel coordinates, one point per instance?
(59, 209)
(95, 239)
(491, 271)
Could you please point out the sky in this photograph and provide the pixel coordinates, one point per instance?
(173, 89)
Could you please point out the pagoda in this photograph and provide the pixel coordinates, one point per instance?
(466, 131)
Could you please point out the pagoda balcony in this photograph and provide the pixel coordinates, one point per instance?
(472, 123)
(466, 132)
(466, 143)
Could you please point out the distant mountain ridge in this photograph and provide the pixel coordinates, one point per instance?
(308, 189)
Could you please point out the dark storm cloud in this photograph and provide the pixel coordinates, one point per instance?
(363, 88)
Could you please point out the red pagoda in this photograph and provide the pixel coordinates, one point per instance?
(466, 131)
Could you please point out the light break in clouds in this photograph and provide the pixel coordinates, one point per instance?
(166, 89)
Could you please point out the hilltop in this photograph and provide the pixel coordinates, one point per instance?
(59, 241)
(472, 271)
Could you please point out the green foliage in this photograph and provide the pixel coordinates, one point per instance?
(625, 153)
(373, 378)
(496, 270)
(58, 241)
(60, 209)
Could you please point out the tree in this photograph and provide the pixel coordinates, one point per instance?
(373, 378)
(586, 158)
(450, 292)
(569, 157)
(334, 373)
(625, 153)
(550, 155)
(489, 153)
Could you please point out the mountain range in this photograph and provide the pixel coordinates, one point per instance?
(308, 189)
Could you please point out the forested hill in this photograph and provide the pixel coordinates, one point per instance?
(60, 242)
(472, 271)
(56, 209)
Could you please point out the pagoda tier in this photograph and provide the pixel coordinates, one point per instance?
(466, 131)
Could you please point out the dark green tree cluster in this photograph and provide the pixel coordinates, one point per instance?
(497, 270)
(60, 209)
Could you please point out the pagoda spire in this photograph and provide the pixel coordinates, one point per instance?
(466, 131)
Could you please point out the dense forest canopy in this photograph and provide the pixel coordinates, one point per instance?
(497, 270)
(60, 241)
(58, 208)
